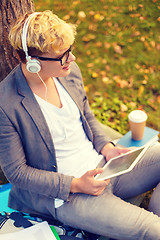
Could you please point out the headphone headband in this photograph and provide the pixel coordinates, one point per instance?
(32, 65)
(24, 32)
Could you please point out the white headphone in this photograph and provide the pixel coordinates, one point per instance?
(33, 65)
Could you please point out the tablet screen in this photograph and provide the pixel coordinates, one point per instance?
(121, 164)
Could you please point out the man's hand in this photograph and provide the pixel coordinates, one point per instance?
(109, 151)
(87, 184)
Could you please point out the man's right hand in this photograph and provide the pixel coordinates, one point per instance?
(88, 184)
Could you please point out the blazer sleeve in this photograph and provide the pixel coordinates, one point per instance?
(13, 163)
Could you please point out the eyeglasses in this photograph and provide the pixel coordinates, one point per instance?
(63, 59)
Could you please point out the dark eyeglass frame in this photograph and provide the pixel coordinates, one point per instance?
(56, 59)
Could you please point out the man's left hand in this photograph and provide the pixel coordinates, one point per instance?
(109, 151)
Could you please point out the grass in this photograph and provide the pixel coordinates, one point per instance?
(117, 48)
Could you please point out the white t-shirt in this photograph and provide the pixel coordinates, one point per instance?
(75, 154)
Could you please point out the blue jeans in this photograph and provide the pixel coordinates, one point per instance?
(109, 215)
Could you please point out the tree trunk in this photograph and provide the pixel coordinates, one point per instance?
(10, 10)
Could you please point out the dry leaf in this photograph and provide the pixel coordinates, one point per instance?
(105, 80)
(122, 83)
(98, 17)
(88, 37)
(103, 73)
(140, 91)
(86, 88)
(107, 45)
(98, 44)
(66, 17)
(153, 44)
(81, 15)
(94, 74)
(92, 26)
(123, 107)
(133, 104)
(88, 52)
(158, 99)
(89, 65)
(118, 49)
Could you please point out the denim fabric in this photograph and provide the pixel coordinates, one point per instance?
(109, 215)
(154, 205)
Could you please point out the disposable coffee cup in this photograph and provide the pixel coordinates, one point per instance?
(137, 122)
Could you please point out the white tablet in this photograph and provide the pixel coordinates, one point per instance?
(121, 164)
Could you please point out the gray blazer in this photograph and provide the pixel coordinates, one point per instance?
(27, 154)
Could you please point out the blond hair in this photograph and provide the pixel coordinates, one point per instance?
(46, 33)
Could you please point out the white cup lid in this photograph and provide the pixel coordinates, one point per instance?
(137, 116)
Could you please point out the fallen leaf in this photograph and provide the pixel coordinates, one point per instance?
(92, 26)
(97, 94)
(137, 66)
(144, 82)
(135, 34)
(75, 3)
(122, 83)
(140, 91)
(107, 67)
(66, 17)
(94, 74)
(123, 107)
(140, 5)
(86, 88)
(133, 104)
(142, 38)
(104, 61)
(103, 73)
(88, 37)
(153, 44)
(88, 52)
(158, 46)
(118, 49)
(98, 44)
(158, 99)
(81, 15)
(140, 108)
(89, 65)
(123, 114)
(105, 80)
(98, 17)
(109, 24)
(107, 45)
(91, 13)
(116, 77)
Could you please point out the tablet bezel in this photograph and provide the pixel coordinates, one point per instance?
(97, 177)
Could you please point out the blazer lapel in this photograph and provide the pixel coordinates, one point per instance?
(35, 112)
(32, 107)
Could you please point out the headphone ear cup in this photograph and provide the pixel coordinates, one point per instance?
(33, 66)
